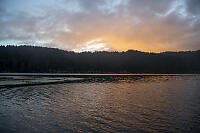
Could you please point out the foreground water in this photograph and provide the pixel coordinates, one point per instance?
(118, 104)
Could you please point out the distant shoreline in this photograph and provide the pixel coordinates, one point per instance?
(26, 59)
(31, 79)
(89, 74)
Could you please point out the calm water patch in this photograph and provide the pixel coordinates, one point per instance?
(114, 104)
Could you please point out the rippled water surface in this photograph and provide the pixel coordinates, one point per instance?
(123, 104)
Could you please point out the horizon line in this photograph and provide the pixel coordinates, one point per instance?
(36, 46)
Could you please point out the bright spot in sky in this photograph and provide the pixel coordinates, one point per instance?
(93, 45)
(102, 25)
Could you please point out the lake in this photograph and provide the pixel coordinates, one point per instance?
(134, 103)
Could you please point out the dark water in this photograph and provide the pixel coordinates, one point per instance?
(139, 104)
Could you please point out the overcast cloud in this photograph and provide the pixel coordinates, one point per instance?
(82, 25)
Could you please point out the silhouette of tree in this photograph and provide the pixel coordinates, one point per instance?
(42, 59)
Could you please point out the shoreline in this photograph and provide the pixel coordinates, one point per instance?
(9, 80)
(18, 81)
(91, 74)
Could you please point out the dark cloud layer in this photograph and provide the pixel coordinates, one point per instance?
(147, 25)
(193, 6)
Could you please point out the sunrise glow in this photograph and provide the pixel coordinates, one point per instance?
(115, 25)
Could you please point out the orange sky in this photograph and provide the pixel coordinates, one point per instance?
(110, 25)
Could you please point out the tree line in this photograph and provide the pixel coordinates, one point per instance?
(50, 60)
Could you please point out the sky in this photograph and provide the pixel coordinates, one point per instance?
(102, 25)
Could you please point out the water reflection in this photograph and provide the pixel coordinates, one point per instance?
(119, 104)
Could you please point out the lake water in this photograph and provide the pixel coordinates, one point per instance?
(118, 104)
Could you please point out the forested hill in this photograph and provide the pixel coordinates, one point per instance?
(41, 59)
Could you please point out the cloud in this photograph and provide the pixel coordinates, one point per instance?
(193, 6)
(147, 25)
